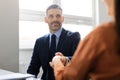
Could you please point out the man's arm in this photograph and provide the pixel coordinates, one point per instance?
(35, 61)
(75, 39)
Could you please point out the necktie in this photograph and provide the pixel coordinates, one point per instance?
(53, 44)
(52, 50)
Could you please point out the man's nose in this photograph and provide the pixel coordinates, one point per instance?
(54, 18)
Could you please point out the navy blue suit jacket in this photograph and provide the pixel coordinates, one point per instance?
(67, 44)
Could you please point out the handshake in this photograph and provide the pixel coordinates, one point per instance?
(59, 59)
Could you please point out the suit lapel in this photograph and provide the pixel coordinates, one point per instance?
(46, 48)
(47, 43)
(61, 39)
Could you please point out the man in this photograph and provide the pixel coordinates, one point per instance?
(66, 43)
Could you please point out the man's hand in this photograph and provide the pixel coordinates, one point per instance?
(55, 61)
(57, 66)
(58, 58)
(63, 58)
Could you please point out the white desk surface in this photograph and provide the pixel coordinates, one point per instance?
(6, 75)
(4, 72)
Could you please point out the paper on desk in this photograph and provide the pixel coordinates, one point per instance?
(15, 76)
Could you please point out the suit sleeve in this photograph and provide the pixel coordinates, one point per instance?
(35, 60)
(75, 38)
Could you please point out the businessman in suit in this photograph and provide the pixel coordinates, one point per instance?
(64, 41)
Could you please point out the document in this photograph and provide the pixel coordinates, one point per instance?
(15, 76)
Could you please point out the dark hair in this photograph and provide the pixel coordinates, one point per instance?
(117, 20)
(53, 6)
(117, 16)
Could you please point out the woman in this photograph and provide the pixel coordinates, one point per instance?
(98, 55)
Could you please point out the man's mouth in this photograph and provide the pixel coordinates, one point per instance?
(55, 24)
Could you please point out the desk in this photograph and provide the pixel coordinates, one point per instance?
(8, 75)
(4, 72)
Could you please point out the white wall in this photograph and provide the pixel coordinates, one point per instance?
(9, 46)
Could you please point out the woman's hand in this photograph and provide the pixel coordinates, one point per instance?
(63, 58)
(57, 66)
(56, 61)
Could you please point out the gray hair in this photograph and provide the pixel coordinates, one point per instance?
(53, 6)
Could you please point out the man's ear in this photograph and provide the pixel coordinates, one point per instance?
(45, 19)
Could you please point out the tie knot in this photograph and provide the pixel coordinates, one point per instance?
(53, 36)
(53, 44)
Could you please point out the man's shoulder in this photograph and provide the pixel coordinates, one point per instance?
(43, 37)
(70, 33)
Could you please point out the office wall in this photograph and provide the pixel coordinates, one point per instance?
(9, 47)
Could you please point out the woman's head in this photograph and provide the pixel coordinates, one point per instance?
(113, 8)
(117, 15)
(110, 7)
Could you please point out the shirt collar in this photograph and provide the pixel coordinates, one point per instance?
(57, 33)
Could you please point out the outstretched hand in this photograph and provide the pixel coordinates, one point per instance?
(59, 58)
(57, 66)
(63, 58)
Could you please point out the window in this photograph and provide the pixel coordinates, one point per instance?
(30, 31)
(36, 5)
(77, 7)
(78, 17)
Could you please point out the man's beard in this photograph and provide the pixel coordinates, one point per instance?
(55, 26)
(57, 22)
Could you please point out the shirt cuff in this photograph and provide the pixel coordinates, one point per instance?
(67, 60)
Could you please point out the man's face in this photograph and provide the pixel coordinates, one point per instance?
(54, 19)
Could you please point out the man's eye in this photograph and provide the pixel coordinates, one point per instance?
(58, 16)
(50, 16)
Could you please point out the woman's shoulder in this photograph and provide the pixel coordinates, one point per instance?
(102, 30)
(106, 25)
